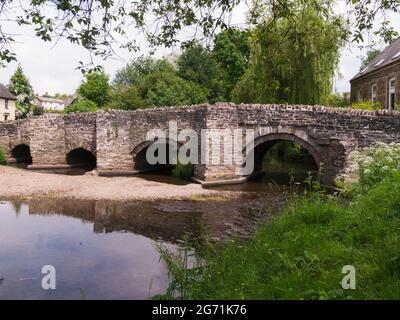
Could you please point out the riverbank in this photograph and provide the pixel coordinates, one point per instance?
(24, 184)
(307, 252)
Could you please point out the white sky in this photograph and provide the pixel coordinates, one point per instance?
(53, 68)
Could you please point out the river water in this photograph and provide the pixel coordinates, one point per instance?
(108, 250)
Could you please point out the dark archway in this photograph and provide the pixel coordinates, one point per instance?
(282, 157)
(81, 158)
(21, 154)
(166, 167)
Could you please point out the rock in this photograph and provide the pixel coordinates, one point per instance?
(92, 173)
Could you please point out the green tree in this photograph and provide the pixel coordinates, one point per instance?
(165, 88)
(20, 86)
(369, 57)
(126, 98)
(198, 65)
(231, 51)
(138, 68)
(95, 88)
(153, 83)
(293, 62)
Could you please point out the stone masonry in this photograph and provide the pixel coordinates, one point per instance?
(118, 138)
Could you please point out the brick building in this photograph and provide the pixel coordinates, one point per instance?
(380, 80)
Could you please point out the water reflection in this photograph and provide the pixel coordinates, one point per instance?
(107, 249)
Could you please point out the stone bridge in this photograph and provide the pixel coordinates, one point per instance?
(116, 140)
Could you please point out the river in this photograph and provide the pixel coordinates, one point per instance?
(108, 250)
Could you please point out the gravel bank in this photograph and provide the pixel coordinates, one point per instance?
(19, 183)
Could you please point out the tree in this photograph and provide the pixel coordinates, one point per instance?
(165, 88)
(138, 68)
(96, 24)
(95, 88)
(153, 83)
(293, 63)
(198, 65)
(20, 86)
(231, 51)
(370, 56)
(126, 98)
(174, 91)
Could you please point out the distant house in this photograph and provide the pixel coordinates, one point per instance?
(380, 80)
(53, 104)
(7, 104)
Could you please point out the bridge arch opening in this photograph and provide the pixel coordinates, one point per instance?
(82, 159)
(21, 154)
(285, 158)
(166, 167)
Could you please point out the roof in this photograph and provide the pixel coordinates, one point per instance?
(52, 100)
(389, 55)
(5, 93)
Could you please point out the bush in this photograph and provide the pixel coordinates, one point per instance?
(183, 171)
(2, 156)
(367, 105)
(82, 106)
(37, 111)
(374, 164)
(337, 100)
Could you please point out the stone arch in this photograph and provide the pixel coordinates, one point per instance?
(21, 153)
(139, 154)
(267, 138)
(70, 146)
(81, 158)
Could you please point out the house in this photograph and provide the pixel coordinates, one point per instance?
(380, 80)
(7, 104)
(53, 104)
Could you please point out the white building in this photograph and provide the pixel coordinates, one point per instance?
(7, 104)
(53, 104)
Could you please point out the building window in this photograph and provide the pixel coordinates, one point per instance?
(374, 91)
(6, 116)
(392, 93)
(6, 104)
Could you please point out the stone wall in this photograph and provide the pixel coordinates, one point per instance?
(121, 135)
(14, 133)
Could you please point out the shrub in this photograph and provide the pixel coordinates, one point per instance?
(82, 106)
(375, 163)
(183, 171)
(367, 105)
(2, 156)
(337, 100)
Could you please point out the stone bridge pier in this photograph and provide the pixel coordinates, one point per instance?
(115, 142)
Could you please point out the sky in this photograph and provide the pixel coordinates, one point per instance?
(53, 68)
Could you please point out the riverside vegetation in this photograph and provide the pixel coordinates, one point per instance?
(300, 253)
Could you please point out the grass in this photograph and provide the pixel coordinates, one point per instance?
(300, 253)
(2, 156)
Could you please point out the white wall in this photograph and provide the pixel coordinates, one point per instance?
(53, 106)
(11, 109)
